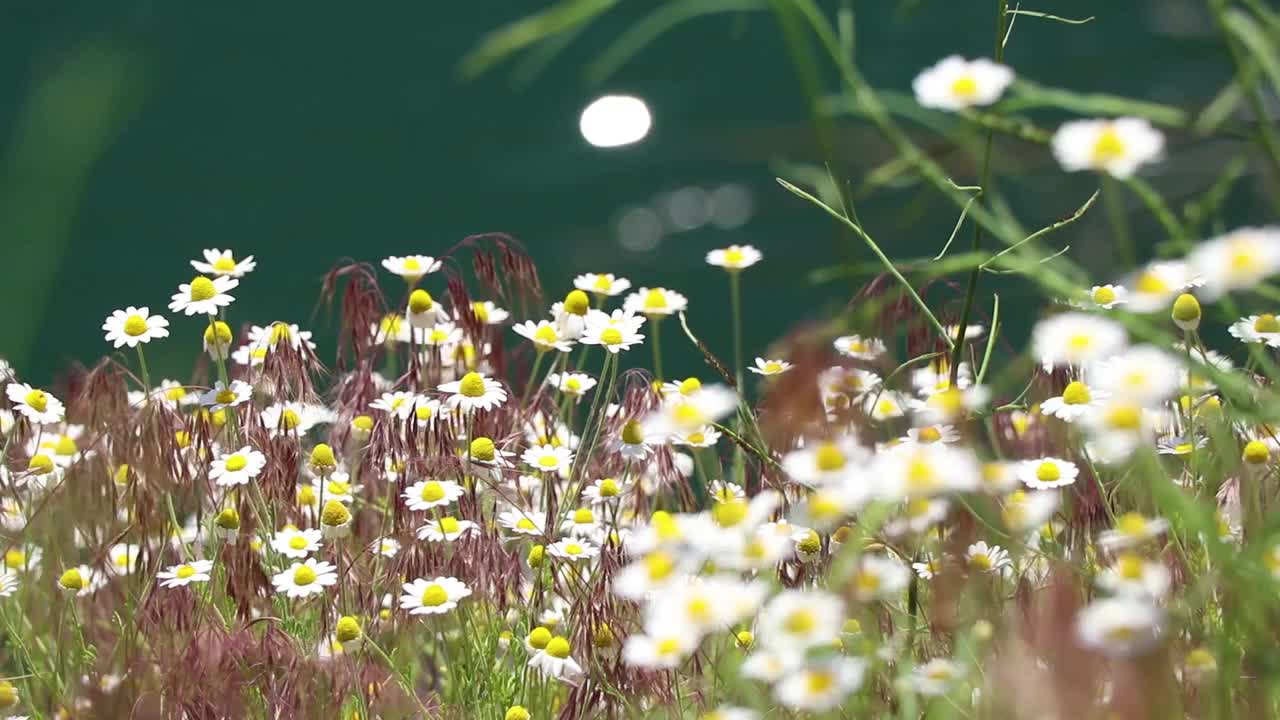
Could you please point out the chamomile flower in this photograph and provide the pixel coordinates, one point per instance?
(664, 649)
(936, 677)
(1179, 444)
(604, 490)
(122, 559)
(446, 529)
(911, 471)
(544, 335)
(82, 580)
(1263, 328)
(195, 571)
(1119, 427)
(614, 333)
(488, 313)
(824, 462)
(434, 596)
(930, 434)
(203, 296)
(1076, 401)
(770, 367)
(1144, 374)
(821, 685)
(680, 413)
(223, 262)
(411, 267)
(548, 458)
(1135, 576)
(1024, 511)
(1076, 339)
(134, 325)
(1121, 626)
(860, 348)
(1131, 530)
(221, 396)
(8, 584)
(1047, 472)
(955, 83)
(984, 558)
(879, 577)
(572, 383)
(237, 468)
(655, 302)
(1108, 296)
(336, 485)
(521, 522)
(474, 392)
(37, 406)
(734, 257)
(1154, 287)
(400, 404)
(387, 547)
(573, 549)
(423, 312)
(1117, 147)
(278, 333)
(885, 405)
(928, 568)
(705, 436)
(22, 559)
(1238, 260)
(427, 494)
(294, 543)
(582, 522)
(555, 661)
(602, 284)
(795, 620)
(918, 515)
(305, 578)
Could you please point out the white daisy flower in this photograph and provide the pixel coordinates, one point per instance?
(1144, 374)
(879, 577)
(411, 267)
(336, 486)
(1239, 260)
(1120, 626)
(544, 335)
(446, 529)
(795, 620)
(572, 383)
(930, 434)
(655, 302)
(1047, 473)
(1119, 427)
(910, 471)
(424, 313)
(955, 83)
(434, 596)
(687, 413)
(574, 549)
(134, 325)
(1076, 339)
(223, 262)
(985, 558)
(705, 436)
(548, 458)
(521, 522)
(83, 580)
(8, 584)
(821, 685)
(294, 543)
(665, 649)
(474, 392)
(1257, 329)
(734, 257)
(272, 335)
(919, 515)
(1108, 296)
(1117, 147)
(770, 367)
(400, 404)
(827, 462)
(22, 559)
(605, 285)
(220, 396)
(1024, 511)
(581, 523)
(554, 661)
(885, 405)
(859, 348)
(1135, 576)
(615, 333)
(305, 578)
(195, 571)
(122, 559)
(237, 468)
(1154, 287)
(605, 490)
(427, 494)
(37, 406)
(928, 568)
(488, 313)
(1131, 530)
(936, 677)
(293, 418)
(203, 296)
(1076, 401)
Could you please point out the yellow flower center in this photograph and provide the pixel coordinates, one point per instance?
(609, 488)
(546, 335)
(224, 264)
(525, 523)
(1048, 472)
(669, 646)
(773, 366)
(66, 446)
(1080, 341)
(1132, 524)
(482, 449)
(202, 288)
(655, 299)
(549, 461)
(539, 638)
(558, 648)
(576, 303)
(918, 507)
(72, 580)
(347, 629)
(611, 336)
(1186, 308)
(886, 407)
(603, 283)
(800, 622)
(304, 576)
(185, 572)
(435, 595)
(306, 495)
(690, 385)
(1108, 147)
(964, 86)
(472, 385)
(980, 561)
(829, 458)
(289, 420)
(1244, 257)
(134, 326)
(448, 525)
(867, 582)
(1124, 417)
(921, 475)
(659, 565)
(15, 559)
(229, 519)
(583, 516)
(338, 487)
(1256, 452)
(1152, 284)
(1104, 295)
(928, 435)
(420, 301)
(432, 491)
(1129, 566)
(298, 542)
(632, 434)
(40, 464)
(734, 256)
(412, 264)
(37, 399)
(1076, 393)
(218, 334)
(729, 514)
(174, 394)
(573, 549)
(1266, 324)
(236, 462)
(810, 544)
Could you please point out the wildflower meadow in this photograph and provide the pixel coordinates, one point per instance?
(487, 498)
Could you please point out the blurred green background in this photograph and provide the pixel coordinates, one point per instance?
(137, 132)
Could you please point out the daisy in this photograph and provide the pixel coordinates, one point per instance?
(656, 302)
(203, 296)
(82, 580)
(614, 333)
(554, 661)
(919, 515)
(122, 559)
(488, 313)
(1153, 288)
(1076, 339)
(134, 325)
(1120, 626)
(544, 335)
(186, 573)
(633, 444)
(433, 597)
(548, 458)
(280, 332)
(336, 485)
(1077, 399)
(293, 418)
(223, 262)
(734, 257)
(935, 678)
(220, 396)
(1119, 427)
(770, 367)
(705, 436)
(859, 348)
(427, 494)
(662, 650)
(936, 377)
(581, 522)
(411, 267)
(521, 522)
(36, 405)
(820, 686)
(879, 577)
(826, 462)
(573, 549)
(1132, 529)
(294, 543)
(474, 392)
(986, 558)
(446, 529)
(955, 83)
(928, 568)
(604, 285)
(8, 584)
(885, 405)
(424, 313)
(1117, 147)
(573, 384)
(1257, 329)
(1108, 296)
(687, 413)
(604, 490)
(1179, 445)
(399, 404)
(570, 315)
(1046, 473)
(795, 620)
(911, 471)
(1239, 260)
(930, 434)
(22, 559)
(1025, 511)
(1144, 374)
(305, 578)
(1132, 575)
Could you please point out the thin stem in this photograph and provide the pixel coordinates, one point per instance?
(735, 299)
(656, 322)
(146, 377)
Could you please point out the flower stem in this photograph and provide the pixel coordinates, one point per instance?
(656, 321)
(146, 377)
(735, 300)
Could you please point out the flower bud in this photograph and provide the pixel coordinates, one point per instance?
(1186, 312)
